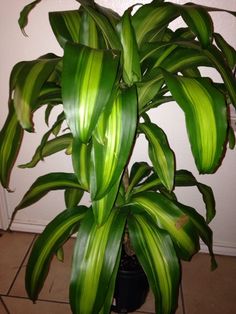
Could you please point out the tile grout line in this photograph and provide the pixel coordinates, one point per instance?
(21, 264)
(4, 305)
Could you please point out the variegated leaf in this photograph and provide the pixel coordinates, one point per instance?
(199, 21)
(109, 159)
(206, 118)
(49, 148)
(47, 183)
(160, 153)
(93, 73)
(10, 141)
(130, 55)
(47, 244)
(170, 216)
(81, 154)
(156, 253)
(94, 261)
(30, 79)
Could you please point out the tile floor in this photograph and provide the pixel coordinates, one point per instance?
(202, 291)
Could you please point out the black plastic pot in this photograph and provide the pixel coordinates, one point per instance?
(131, 291)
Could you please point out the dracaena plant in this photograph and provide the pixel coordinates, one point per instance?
(113, 70)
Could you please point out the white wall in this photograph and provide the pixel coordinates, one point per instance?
(15, 47)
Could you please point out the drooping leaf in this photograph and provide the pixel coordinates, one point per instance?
(206, 118)
(227, 49)
(66, 26)
(109, 159)
(160, 153)
(47, 244)
(46, 183)
(23, 19)
(199, 21)
(93, 73)
(49, 148)
(170, 216)
(94, 261)
(10, 141)
(106, 25)
(156, 253)
(218, 61)
(30, 80)
(186, 178)
(151, 17)
(202, 229)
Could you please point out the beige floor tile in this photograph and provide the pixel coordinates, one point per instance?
(208, 292)
(24, 306)
(56, 287)
(13, 247)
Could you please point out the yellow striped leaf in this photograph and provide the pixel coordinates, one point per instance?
(103, 206)
(206, 118)
(10, 141)
(160, 153)
(29, 81)
(170, 216)
(94, 262)
(47, 244)
(46, 183)
(199, 21)
(93, 73)
(156, 253)
(109, 159)
(81, 161)
(130, 55)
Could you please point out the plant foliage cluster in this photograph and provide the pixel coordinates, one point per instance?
(114, 69)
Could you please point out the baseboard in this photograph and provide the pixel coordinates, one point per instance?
(218, 248)
(221, 248)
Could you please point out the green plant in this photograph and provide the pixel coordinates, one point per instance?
(113, 71)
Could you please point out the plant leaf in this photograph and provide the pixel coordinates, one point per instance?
(93, 73)
(94, 260)
(106, 25)
(66, 26)
(23, 19)
(46, 183)
(169, 216)
(229, 51)
(81, 161)
(11, 137)
(72, 197)
(102, 207)
(199, 21)
(139, 171)
(156, 253)
(160, 153)
(218, 61)
(49, 148)
(47, 244)
(152, 17)
(206, 118)
(30, 79)
(186, 178)
(130, 55)
(108, 160)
